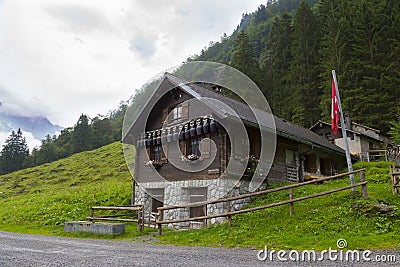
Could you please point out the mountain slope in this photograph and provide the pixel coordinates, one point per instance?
(33, 127)
(38, 126)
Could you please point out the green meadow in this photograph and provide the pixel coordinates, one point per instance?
(40, 199)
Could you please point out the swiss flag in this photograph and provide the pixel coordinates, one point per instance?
(335, 109)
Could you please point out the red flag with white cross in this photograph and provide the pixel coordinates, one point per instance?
(335, 109)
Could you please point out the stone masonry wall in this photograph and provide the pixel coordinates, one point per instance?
(176, 193)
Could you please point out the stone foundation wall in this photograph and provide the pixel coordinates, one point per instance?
(178, 192)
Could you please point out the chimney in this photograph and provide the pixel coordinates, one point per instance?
(347, 121)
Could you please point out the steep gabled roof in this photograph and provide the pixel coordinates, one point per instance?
(377, 132)
(283, 128)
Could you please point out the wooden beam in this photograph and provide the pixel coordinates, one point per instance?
(133, 208)
(111, 219)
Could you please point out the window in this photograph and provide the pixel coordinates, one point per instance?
(328, 136)
(176, 113)
(157, 153)
(194, 146)
(370, 145)
(290, 158)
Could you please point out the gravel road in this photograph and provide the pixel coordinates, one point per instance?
(36, 250)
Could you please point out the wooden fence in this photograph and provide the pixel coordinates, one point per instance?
(393, 154)
(374, 155)
(135, 214)
(228, 213)
(395, 175)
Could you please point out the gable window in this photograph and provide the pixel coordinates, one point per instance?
(176, 113)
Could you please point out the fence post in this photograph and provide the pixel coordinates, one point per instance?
(364, 186)
(392, 178)
(291, 203)
(148, 223)
(140, 219)
(228, 212)
(395, 183)
(396, 179)
(91, 214)
(159, 219)
(143, 217)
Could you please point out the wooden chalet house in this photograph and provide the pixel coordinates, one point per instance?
(299, 152)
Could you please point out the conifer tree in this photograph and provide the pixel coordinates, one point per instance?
(13, 153)
(304, 67)
(81, 136)
(394, 131)
(276, 60)
(243, 58)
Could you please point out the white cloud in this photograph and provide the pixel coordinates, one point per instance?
(77, 18)
(144, 44)
(67, 57)
(30, 140)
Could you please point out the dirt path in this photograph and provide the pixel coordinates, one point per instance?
(36, 250)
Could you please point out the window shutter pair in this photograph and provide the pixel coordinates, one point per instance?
(184, 115)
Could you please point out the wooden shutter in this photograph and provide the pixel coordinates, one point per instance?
(237, 146)
(164, 153)
(182, 146)
(164, 115)
(148, 153)
(205, 148)
(185, 110)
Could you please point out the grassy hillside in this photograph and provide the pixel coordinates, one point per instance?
(316, 224)
(40, 199)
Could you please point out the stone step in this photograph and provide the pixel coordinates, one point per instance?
(94, 227)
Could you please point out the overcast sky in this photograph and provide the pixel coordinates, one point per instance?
(61, 58)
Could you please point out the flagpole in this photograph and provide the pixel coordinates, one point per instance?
(344, 134)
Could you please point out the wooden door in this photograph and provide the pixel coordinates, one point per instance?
(197, 195)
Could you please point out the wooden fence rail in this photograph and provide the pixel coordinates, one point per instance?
(228, 214)
(136, 215)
